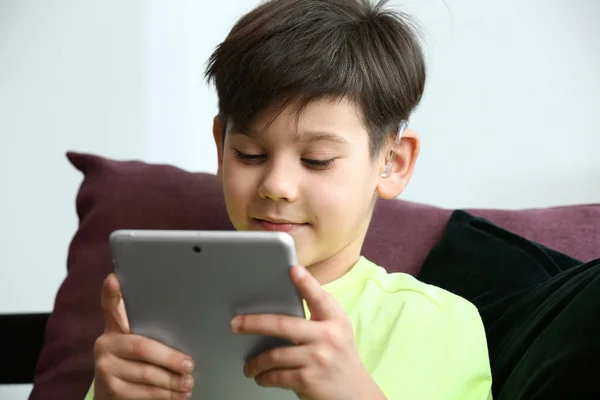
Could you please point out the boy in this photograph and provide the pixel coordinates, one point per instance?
(312, 99)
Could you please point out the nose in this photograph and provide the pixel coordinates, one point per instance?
(279, 183)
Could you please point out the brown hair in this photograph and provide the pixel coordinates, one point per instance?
(303, 50)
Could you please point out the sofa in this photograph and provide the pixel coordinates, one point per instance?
(55, 350)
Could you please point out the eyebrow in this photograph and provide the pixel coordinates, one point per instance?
(306, 136)
(317, 136)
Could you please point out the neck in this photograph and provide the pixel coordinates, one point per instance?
(338, 264)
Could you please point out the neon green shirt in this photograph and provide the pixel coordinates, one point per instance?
(419, 342)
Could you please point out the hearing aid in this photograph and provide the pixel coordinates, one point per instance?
(389, 162)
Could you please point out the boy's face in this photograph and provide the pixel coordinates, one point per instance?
(314, 180)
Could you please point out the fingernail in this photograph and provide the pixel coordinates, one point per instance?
(299, 271)
(187, 383)
(235, 324)
(187, 366)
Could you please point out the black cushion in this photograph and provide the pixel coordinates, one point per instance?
(540, 308)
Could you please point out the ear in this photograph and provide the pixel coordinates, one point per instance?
(403, 165)
(218, 136)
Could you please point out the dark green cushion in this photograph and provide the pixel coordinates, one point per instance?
(540, 308)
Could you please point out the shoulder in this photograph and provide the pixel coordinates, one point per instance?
(423, 333)
(393, 304)
(403, 292)
(380, 300)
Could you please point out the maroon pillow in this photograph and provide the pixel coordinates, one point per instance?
(113, 195)
(135, 195)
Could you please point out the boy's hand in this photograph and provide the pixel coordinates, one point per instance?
(324, 363)
(134, 367)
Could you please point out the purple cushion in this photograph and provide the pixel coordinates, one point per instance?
(135, 195)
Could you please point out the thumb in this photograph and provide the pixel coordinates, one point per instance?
(113, 307)
(321, 304)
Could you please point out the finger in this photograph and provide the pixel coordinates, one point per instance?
(294, 329)
(113, 307)
(321, 304)
(148, 374)
(280, 357)
(139, 348)
(283, 378)
(136, 391)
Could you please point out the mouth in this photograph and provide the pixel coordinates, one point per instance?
(278, 225)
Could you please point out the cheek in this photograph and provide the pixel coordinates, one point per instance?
(238, 190)
(343, 202)
(236, 179)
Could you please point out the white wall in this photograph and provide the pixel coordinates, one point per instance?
(509, 118)
(510, 115)
(72, 76)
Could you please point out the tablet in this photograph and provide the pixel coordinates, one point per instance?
(182, 288)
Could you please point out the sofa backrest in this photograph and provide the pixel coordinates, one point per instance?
(134, 195)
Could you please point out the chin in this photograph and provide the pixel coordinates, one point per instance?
(304, 254)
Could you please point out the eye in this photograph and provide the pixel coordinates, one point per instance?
(318, 164)
(249, 158)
